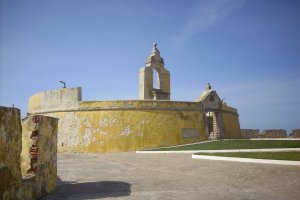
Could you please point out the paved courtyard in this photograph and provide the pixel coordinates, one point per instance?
(170, 176)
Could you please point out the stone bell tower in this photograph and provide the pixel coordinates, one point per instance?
(154, 64)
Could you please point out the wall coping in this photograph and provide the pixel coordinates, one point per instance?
(154, 105)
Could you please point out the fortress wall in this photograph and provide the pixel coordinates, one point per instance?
(295, 133)
(13, 140)
(65, 98)
(250, 133)
(274, 133)
(269, 133)
(117, 126)
(231, 122)
(125, 125)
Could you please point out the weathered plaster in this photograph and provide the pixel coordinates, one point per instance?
(55, 99)
(116, 126)
(16, 183)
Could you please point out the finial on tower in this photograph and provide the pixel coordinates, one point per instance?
(154, 44)
(208, 87)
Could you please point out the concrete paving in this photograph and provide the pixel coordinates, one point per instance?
(165, 176)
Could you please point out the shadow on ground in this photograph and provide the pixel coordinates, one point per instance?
(89, 190)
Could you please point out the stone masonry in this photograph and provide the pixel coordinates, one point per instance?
(32, 173)
(154, 64)
(270, 133)
(295, 133)
(250, 133)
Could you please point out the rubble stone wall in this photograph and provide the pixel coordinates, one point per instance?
(269, 133)
(249, 133)
(295, 133)
(36, 138)
(274, 133)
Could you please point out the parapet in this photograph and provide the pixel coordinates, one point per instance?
(65, 98)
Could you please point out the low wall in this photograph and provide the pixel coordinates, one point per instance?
(295, 133)
(250, 133)
(274, 133)
(33, 173)
(270, 133)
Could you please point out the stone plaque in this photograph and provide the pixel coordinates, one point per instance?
(190, 133)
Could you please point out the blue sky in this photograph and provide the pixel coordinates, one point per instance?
(248, 50)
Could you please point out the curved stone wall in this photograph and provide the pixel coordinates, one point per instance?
(55, 100)
(114, 126)
(231, 122)
(128, 125)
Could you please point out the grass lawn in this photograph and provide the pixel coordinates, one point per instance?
(236, 144)
(259, 155)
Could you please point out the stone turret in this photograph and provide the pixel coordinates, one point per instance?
(146, 89)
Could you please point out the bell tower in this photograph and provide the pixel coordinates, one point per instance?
(154, 64)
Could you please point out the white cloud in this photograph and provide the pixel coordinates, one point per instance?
(205, 14)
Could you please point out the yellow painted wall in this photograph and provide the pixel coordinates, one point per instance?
(125, 125)
(231, 123)
(10, 147)
(125, 130)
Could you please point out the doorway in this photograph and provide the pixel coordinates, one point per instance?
(213, 125)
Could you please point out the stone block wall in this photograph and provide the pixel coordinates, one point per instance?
(249, 133)
(270, 133)
(36, 138)
(274, 133)
(295, 133)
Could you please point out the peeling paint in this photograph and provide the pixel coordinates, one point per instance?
(126, 131)
(69, 123)
(87, 136)
(107, 122)
(140, 134)
(101, 132)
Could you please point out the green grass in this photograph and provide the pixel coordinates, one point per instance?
(295, 156)
(236, 144)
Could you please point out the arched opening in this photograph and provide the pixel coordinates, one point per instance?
(157, 79)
